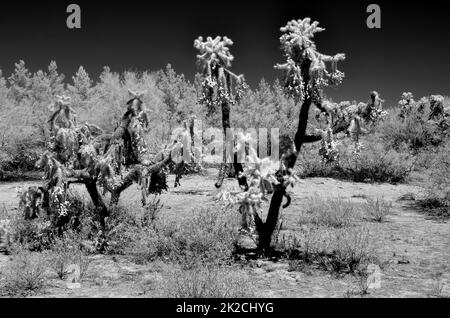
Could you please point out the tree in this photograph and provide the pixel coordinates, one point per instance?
(3, 87)
(82, 84)
(56, 79)
(178, 95)
(4, 110)
(20, 81)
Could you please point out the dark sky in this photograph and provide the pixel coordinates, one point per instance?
(409, 53)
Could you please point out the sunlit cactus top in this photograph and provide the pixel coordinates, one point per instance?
(220, 85)
(299, 34)
(301, 52)
(214, 51)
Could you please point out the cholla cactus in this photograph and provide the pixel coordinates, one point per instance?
(374, 112)
(306, 73)
(63, 114)
(305, 69)
(349, 118)
(328, 150)
(214, 52)
(432, 106)
(262, 175)
(220, 85)
(436, 107)
(83, 154)
(406, 104)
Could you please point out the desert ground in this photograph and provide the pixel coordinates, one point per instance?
(413, 249)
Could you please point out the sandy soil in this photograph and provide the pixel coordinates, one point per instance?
(412, 247)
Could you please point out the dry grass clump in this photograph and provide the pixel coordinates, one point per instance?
(338, 250)
(330, 212)
(65, 251)
(25, 273)
(206, 282)
(377, 209)
(208, 236)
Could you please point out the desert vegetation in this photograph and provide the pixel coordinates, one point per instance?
(111, 153)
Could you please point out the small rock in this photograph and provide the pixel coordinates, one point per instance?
(73, 276)
(73, 286)
(373, 276)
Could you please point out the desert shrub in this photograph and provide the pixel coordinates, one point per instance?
(119, 228)
(351, 249)
(329, 212)
(338, 250)
(18, 159)
(437, 198)
(206, 282)
(124, 223)
(416, 128)
(39, 233)
(67, 250)
(310, 165)
(147, 244)
(377, 164)
(377, 209)
(374, 163)
(152, 210)
(25, 273)
(266, 106)
(19, 151)
(306, 245)
(436, 207)
(207, 237)
(438, 286)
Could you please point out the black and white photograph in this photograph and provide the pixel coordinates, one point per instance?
(237, 151)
